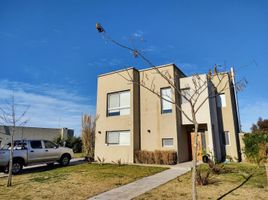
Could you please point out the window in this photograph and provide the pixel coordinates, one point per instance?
(118, 137)
(166, 105)
(226, 138)
(20, 145)
(49, 145)
(221, 102)
(185, 93)
(119, 103)
(36, 144)
(167, 142)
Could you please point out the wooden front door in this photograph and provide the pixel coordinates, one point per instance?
(199, 145)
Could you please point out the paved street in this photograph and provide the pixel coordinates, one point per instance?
(44, 167)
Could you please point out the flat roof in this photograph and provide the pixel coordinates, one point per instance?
(116, 71)
(149, 68)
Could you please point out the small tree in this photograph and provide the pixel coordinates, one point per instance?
(88, 136)
(73, 142)
(261, 125)
(9, 117)
(213, 83)
(256, 143)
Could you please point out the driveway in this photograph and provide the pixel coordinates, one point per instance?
(44, 167)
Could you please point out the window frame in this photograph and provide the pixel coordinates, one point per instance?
(162, 100)
(117, 144)
(168, 146)
(119, 108)
(219, 100)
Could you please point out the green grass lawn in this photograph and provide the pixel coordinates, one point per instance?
(180, 188)
(72, 182)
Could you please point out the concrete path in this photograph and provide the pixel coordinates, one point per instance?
(143, 185)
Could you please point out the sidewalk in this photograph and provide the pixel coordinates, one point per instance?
(143, 185)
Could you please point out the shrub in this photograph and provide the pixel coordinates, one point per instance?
(74, 143)
(156, 157)
(88, 136)
(202, 176)
(256, 146)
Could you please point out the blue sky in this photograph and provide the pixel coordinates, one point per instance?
(51, 54)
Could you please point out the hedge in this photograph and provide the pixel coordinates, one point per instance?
(156, 157)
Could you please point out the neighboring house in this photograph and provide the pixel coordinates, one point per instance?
(33, 133)
(131, 118)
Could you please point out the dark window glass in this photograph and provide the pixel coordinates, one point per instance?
(36, 144)
(226, 138)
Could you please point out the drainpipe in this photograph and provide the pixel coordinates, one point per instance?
(236, 99)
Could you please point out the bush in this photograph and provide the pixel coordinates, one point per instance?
(74, 143)
(202, 176)
(256, 146)
(156, 157)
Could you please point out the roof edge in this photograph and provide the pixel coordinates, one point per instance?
(116, 71)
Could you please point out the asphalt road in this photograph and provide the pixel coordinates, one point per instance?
(44, 167)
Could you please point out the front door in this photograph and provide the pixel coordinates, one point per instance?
(200, 147)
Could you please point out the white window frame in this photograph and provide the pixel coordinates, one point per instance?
(221, 100)
(167, 146)
(121, 135)
(228, 135)
(121, 109)
(163, 101)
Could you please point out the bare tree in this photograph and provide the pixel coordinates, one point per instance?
(200, 89)
(12, 117)
(88, 136)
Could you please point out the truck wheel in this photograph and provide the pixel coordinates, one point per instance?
(16, 168)
(65, 160)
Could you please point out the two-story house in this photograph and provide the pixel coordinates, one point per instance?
(133, 118)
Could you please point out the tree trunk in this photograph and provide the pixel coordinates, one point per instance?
(194, 190)
(9, 179)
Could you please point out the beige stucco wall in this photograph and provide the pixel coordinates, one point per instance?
(242, 145)
(147, 125)
(156, 125)
(228, 114)
(204, 115)
(109, 83)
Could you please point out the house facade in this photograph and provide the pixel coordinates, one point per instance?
(132, 117)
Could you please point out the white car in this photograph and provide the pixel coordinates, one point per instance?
(29, 152)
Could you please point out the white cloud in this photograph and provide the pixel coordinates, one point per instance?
(50, 106)
(250, 112)
(138, 34)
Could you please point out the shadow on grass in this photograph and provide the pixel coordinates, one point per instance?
(230, 191)
(45, 167)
